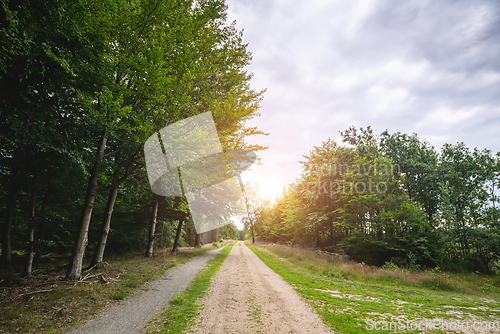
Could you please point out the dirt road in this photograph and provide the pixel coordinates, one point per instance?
(246, 296)
(132, 314)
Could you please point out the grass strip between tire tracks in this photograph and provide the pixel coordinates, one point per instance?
(183, 307)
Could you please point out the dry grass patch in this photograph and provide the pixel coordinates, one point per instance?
(337, 265)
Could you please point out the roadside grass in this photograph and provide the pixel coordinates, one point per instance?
(355, 298)
(46, 303)
(183, 306)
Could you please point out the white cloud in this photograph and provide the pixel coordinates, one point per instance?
(425, 66)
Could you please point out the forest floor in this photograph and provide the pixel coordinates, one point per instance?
(47, 303)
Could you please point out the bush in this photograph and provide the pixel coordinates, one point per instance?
(390, 266)
(495, 268)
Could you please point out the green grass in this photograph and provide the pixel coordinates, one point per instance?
(254, 310)
(33, 306)
(352, 297)
(120, 295)
(183, 307)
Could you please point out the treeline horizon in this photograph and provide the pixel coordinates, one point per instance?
(392, 198)
(84, 85)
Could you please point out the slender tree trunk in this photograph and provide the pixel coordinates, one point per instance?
(75, 268)
(103, 236)
(197, 240)
(106, 221)
(249, 219)
(41, 227)
(152, 226)
(31, 236)
(253, 236)
(318, 239)
(7, 226)
(181, 221)
(178, 235)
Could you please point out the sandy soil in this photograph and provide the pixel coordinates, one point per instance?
(246, 296)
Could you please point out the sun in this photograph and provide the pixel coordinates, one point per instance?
(270, 189)
(266, 186)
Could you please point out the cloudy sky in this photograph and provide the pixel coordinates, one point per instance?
(429, 67)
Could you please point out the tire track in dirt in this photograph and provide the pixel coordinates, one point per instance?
(246, 296)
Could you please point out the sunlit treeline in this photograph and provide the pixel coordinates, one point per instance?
(392, 197)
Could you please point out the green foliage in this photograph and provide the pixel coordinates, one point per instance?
(390, 266)
(119, 295)
(75, 72)
(228, 232)
(496, 267)
(392, 198)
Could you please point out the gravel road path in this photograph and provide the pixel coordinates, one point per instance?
(246, 296)
(132, 314)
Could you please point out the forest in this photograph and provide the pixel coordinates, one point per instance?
(85, 83)
(393, 200)
(83, 86)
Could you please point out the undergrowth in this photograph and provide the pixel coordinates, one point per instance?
(46, 303)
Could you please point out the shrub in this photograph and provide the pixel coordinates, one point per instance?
(495, 268)
(390, 266)
(119, 295)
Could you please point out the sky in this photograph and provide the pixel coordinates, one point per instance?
(417, 66)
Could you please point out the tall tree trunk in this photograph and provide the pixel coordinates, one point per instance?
(253, 236)
(75, 268)
(103, 236)
(175, 248)
(181, 221)
(152, 226)
(7, 226)
(178, 235)
(197, 240)
(41, 226)
(318, 239)
(249, 218)
(106, 221)
(31, 236)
